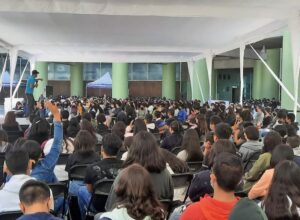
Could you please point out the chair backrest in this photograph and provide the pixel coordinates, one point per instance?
(63, 158)
(77, 172)
(2, 159)
(249, 164)
(11, 215)
(14, 135)
(58, 189)
(176, 150)
(195, 166)
(101, 190)
(182, 179)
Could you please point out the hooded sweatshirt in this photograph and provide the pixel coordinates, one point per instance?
(9, 195)
(208, 209)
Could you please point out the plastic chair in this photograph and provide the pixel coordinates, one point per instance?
(77, 172)
(195, 166)
(11, 215)
(58, 190)
(63, 158)
(101, 190)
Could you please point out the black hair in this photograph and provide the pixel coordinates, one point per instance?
(87, 116)
(148, 118)
(33, 149)
(40, 130)
(293, 141)
(176, 126)
(281, 129)
(291, 117)
(64, 114)
(223, 131)
(215, 120)
(282, 114)
(33, 192)
(139, 125)
(281, 152)
(228, 170)
(252, 133)
(111, 144)
(101, 118)
(271, 140)
(291, 130)
(17, 161)
(73, 128)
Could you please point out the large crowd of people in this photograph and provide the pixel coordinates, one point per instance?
(249, 158)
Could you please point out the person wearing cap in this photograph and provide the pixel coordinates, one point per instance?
(31, 83)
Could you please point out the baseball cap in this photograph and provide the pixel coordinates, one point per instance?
(35, 72)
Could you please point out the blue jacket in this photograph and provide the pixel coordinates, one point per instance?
(182, 115)
(44, 169)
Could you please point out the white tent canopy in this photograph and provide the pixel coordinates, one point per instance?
(138, 30)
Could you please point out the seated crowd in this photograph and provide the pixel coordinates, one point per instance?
(123, 159)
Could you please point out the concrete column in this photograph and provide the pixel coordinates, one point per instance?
(76, 79)
(120, 80)
(169, 81)
(270, 88)
(42, 68)
(257, 80)
(200, 75)
(287, 72)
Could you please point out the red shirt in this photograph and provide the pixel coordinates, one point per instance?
(208, 209)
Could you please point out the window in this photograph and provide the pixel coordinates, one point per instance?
(91, 71)
(106, 68)
(58, 71)
(155, 71)
(139, 71)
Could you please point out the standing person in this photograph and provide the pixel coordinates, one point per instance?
(32, 83)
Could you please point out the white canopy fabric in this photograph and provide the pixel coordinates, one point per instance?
(138, 30)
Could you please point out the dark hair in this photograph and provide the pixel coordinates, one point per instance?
(86, 116)
(111, 144)
(228, 170)
(33, 149)
(201, 124)
(139, 125)
(17, 161)
(281, 114)
(127, 142)
(157, 114)
(246, 115)
(148, 118)
(281, 129)
(87, 125)
(293, 141)
(215, 119)
(191, 144)
(144, 151)
(40, 130)
(119, 129)
(10, 119)
(252, 133)
(291, 116)
(222, 145)
(281, 152)
(176, 126)
(291, 130)
(210, 137)
(177, 165)
(101, 118)
(73, 128)
(135, 192)
(283, 197)
(3, 136)
(33, 191)
(64, 114)
(84, 142)
(223, 131)
(271, 140)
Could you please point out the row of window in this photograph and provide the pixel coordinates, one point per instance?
(93, 71)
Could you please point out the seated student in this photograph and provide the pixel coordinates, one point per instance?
(271, 140)
(252, 144)
(17, 166)
(222, 131)
(84, 154)
(200, 184)
(101, 127)
(290, 119)
(213, 121)
(136, 198)
(261, 187)
(107, 168)
(159, 123)
(226, 174)
(282, 200)
(294, 142)
(150, 125)
(190, 147)
(43, 169)
(11, 126)
(175, 139)
(145, 151)
(4, 145)
(35, 201)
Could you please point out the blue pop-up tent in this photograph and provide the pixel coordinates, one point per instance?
(104, 82)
